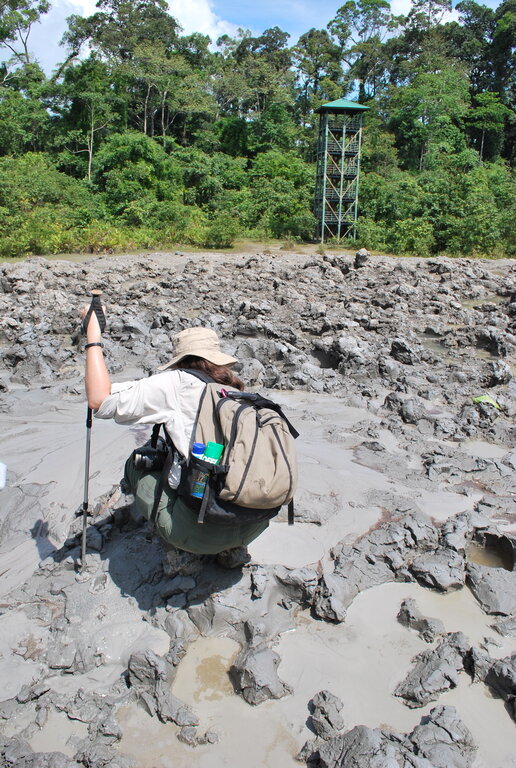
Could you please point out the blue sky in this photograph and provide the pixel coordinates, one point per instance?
(211, 17)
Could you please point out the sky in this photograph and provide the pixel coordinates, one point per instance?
(210, 17)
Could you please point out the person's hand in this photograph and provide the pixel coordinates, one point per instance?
(93, 332)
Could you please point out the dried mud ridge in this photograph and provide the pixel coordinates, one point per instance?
(413, 342)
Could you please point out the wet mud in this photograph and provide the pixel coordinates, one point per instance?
(383, 623)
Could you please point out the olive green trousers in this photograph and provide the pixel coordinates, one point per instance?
(177, 525)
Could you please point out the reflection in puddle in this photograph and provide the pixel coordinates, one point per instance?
(496, 554)
(203, 673)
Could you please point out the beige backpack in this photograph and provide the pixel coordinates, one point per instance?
(257, 473)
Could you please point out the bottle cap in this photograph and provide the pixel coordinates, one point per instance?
(198, 449)
(213, 451)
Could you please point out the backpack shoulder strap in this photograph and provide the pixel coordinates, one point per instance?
(198, 375)
(259, 401)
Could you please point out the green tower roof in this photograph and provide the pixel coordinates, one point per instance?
(341, 105)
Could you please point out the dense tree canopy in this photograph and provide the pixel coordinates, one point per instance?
(144, 136)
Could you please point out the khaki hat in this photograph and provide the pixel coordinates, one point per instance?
(201, 342)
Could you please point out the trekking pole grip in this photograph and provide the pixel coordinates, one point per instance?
(95, 306)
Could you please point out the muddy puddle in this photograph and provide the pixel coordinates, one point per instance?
(360, 661)
(482, 301)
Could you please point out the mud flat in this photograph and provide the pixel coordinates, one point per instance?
(383, 623)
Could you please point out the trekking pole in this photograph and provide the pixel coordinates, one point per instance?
(95, 306)
(86, 484)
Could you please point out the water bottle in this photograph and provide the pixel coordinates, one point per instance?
(174, 474)
(198, 450)
(212, 455)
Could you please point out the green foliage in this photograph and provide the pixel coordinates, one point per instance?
(222, 231)
(137, 178)
(412, 236)
(41, 209)
(153, 138)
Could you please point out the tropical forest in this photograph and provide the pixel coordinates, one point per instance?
(144, 136)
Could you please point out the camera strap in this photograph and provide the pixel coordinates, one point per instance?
(163, 476)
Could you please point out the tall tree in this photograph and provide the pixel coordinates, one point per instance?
(17, 18)
(470, 41)
(252, 73)
(488, 118)
(89, 109)
(317, 60)
(120, 26)
(24, 120)
(427, 114)
(361, 27)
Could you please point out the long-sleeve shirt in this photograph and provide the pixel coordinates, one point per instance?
(171, 398)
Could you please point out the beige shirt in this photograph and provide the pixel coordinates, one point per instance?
(171, 398)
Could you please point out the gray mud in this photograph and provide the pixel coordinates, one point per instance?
(382, 624)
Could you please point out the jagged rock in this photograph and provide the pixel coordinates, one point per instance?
(443, 569)
(332, 597)
(435, 671)
(403, 352)
(299, 583)
(410, 616)
(499, 373)
(144, 670)
(501, 677)
(255, 677)
(441, 741)
(171, 709)
(102, 756)
(84, 706)
(149, 676)
(444, 740)
(17, 753)
(361, 258)
(259, 581)
(380, 556)
(326, 719)
(477, 664)
(189, 735)
(505, 625)
(106, 727)
(494, 588)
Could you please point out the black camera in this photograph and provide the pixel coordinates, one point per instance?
(151, 458)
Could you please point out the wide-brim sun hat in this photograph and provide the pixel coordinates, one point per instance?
(201, 342)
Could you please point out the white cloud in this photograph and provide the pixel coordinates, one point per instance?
(402, 7)
(199, 16)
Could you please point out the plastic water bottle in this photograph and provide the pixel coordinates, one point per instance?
(174, 474)
(212, 455)
(198, 450)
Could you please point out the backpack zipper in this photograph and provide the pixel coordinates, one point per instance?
(275, 430)
(248, 464)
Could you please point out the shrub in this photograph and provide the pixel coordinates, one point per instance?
(412, 236)
(222, 231)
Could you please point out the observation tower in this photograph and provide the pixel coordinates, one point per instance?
(338, 168)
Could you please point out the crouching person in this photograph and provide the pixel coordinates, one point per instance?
(171, 398)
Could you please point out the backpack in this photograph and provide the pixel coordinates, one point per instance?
(257, 473)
